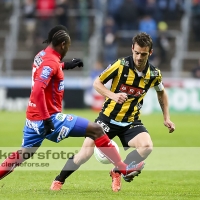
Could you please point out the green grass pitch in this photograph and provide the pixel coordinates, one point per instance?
(152, 184)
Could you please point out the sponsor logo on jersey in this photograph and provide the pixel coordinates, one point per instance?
(131, 91)
(63, 133)
(42, 53)
(31, 104)
(69, 118)
(61, 86)
(134, 126)
(137, 126)
(61, 117)
(46, 72)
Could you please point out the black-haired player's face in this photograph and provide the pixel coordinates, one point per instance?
(140, 56)
(65, 48)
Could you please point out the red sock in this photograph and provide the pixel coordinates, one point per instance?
(9, 164)
(106, 147)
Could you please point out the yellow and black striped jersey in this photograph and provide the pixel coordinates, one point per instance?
(126, 79)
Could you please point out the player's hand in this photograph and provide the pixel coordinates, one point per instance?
(48, 126)
(170, 125)
(75, 62)
(120, 97)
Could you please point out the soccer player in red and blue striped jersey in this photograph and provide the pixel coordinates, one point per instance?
(44, 117)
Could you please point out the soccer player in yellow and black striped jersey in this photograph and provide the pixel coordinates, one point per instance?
(131, 77)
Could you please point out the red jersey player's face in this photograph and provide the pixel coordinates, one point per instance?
(140, 56)
(65, 48)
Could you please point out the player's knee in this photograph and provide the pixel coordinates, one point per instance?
(145, 149)
(97, 130)
(148, 149)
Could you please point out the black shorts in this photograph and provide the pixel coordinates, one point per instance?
(125, 134)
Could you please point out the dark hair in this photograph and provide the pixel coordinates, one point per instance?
(143, 40)
(57, 35)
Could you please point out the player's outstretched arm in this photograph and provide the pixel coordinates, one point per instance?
(163, 101)
(75, 62)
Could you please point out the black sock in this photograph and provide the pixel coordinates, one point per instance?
(67, 170)
(132, 156)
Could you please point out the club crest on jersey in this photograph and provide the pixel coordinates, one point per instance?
(61, 86)
(46, 72)
(154, 73)
(124, 63)
(69, 118)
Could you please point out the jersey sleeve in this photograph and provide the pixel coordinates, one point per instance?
(110, 72)
(158, 86)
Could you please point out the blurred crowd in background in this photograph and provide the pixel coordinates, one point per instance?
(150, 16)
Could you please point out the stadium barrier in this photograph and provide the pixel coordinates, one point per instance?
(184, 95)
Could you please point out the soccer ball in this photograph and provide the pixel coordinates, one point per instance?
(101, 157)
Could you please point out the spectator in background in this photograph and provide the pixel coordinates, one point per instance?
(28, 10)
(196, 71)
(45, 11)
(82, 20)
(180, 7)
(196, 19)
(148, 24)
(113, 7)
(151, 9)
(169, 9)
(61, 12)
(163, 42)
(128, 15)
(8, 3)
(141, 8)
(109, 41)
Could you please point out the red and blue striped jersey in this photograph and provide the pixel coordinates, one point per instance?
(47, 85)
